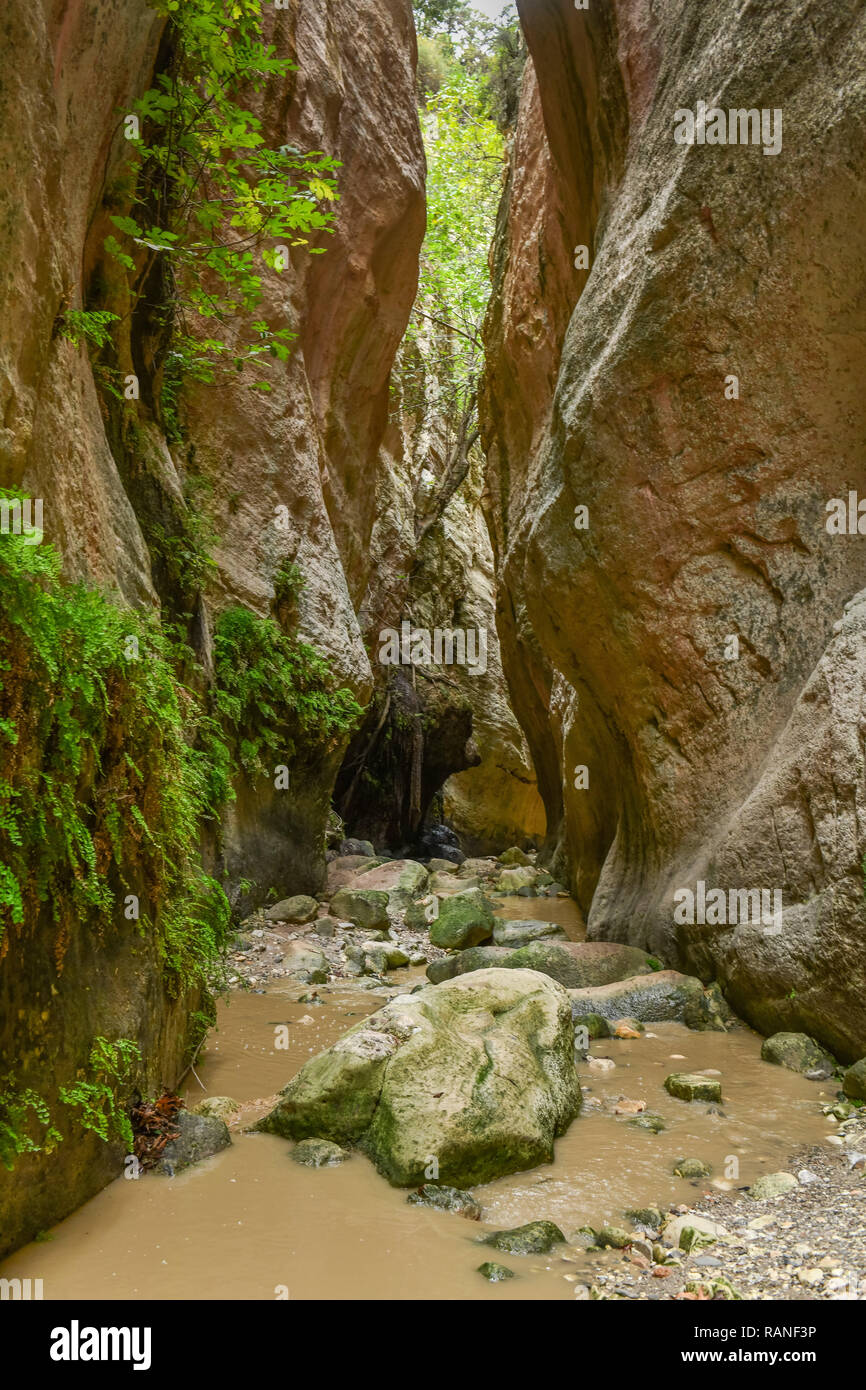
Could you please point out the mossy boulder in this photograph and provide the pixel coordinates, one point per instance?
(571, 963)
(514, 857)
(535, 1238)
(656, 1124)
(217, 1107)
(772, 1185)
(613, 1237)
(464, 920)
(693, 1086)
(495, 1273)
(402, 879)
(520, 933)
(661, 996)
(297, 910)
(854, 1080)
(363, 907)
(512, 880)
(693, 1168)
(798, 1052)
(478, 1073)
(199, 1137)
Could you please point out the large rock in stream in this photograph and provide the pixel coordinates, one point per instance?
(477, 1074)
(574, 964)
(665, 996)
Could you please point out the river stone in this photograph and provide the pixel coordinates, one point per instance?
(659, 996)
(217, 1107)
(656, 1124)
(520, 933)
(646, 1216)
(692, 1168)
(595, 1027)
(464, 920)
(772, 1185)
(200, 1136)
(443, 969)
(693, 1086)
(854, 1080)
(318, 1153)
(326, 926)
(478, 1072)
(305, 962)
(485, 868)
(449, 883)
(797, 1052)
(535, 1238)
(381, 956)
(672, 1233)
(402, 879)
(494, 1273)
(364, 907)
(446, 1199)
(512, 880)
(298, 909)
(613, 1238)
(513, 857)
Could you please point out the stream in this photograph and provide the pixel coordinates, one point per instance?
(249, 1223)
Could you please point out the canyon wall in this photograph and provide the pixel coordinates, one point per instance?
(312, 447)
(695, 639)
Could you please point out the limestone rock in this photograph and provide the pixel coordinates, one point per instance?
(478, 1071)
(520, 933)
(464, 920)
(693, 1086)
(658, 997)
(797, 1052)
(364, 907)
(298, 910)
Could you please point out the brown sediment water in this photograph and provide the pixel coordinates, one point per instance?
(249, 1223)
(563, 911)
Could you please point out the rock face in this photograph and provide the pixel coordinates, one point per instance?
(477, 1073)
(740, 764)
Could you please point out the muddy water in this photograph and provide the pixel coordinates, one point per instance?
(563, 911)
(250, 1223)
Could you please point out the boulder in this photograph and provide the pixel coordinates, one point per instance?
(402, 879)
(660, 996)
(318, 1153)
(798, 1052)
(443, 969)
(326, 926)
(451, 1199)
(535, 1238)
(511, 880)
(357, 847)
(217, 1107)
(573, 964)
(464, 920)
(854, 1080)
(693, 1168)
(419, 915)
(613, 1238)
(305, 962)
(514, 857)
(441, 866)
(363, 907)
(200, 1137)
(520, 933)
(693, 1086)
(450, 883)
(656, 1124)
(495, 1273)
(344, 870)
(478, 1072)
(298, 909)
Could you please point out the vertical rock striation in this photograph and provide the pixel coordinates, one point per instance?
(706, 514)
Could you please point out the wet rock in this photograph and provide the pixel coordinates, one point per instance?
(520, 933)
(514, 857)
(601, 1064)
(629, 1028)
(326, 926)
(357, 847)
(419, 915)
(854, 1080)
(299, 909)
(200, 1137)
(798, 1052)
(217, 1107)
(494, 1273)
(700, 1225)
(318, 1153)
(656, 1124)
(443, 969)
(613, 1238)
(594, 1026)
(380, 956)
(478, 1071)
(653, 997)
(451, 1199)
(450, 883)
(464, 920)
(772, 1185)
(365, 907)
(693, 1168)
(535, 1238)
(646, 1216)
(693, 1086)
